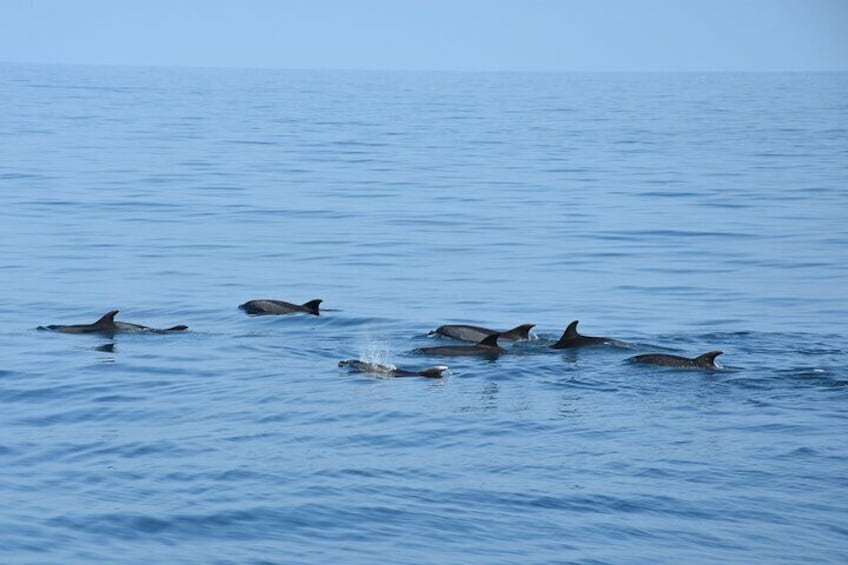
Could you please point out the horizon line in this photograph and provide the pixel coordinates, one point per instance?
(420, 70)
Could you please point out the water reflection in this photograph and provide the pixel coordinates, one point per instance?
(109, 349)
(489, 396)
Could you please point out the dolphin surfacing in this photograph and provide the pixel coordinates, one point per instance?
(267, 307)
(364, 367)
(488, 346)
(108, 325)
(572, 338)
(705, 361)
(475, 334)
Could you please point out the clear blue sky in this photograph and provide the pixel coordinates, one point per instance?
(531, 35)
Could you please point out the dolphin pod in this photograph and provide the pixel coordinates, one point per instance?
(484, 341)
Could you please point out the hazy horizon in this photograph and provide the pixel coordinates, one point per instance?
(507, 36)
(401, 70)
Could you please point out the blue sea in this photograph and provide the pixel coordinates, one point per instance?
(680, 213)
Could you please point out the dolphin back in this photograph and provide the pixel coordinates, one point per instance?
(433, 372)
(706, 361)
(105, 323)
(266, 306)
(362, 367)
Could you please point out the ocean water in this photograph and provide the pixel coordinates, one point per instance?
(678, 212)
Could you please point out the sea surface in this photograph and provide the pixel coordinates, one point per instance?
(679, 213)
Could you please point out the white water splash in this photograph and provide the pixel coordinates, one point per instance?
(378, 352)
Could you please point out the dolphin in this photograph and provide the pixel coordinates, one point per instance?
(363, 367)
(486, 346)
(266, 306)
(475, 334)
(107, 324)
(571, 338)
(705, 361)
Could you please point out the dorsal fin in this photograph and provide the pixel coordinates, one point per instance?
(490, 340)
(312, 305)
(571, 330)
(708, 359)
(522, 331)
(107, 319)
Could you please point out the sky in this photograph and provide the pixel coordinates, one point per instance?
(464, 35)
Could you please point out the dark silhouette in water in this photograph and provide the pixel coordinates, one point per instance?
(266, 306)
(475, 334)
(486, 346)
(363, 367)
(705, 361)
(572, 338)
(107, 324)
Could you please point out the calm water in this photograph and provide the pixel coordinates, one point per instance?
(680, 213)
